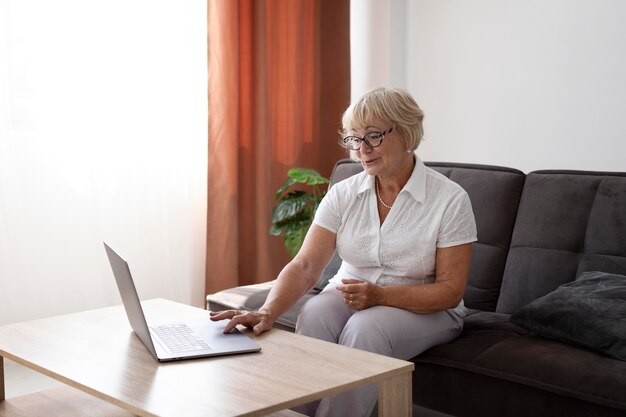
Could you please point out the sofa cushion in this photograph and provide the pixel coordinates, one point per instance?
(495, 349)
(568, 222)
(590, 312)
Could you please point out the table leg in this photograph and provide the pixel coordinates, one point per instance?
(1, 378)
(395, 396)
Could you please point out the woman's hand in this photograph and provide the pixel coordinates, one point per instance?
(359, 294)
(258, 321)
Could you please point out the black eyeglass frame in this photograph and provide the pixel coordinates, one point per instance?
(344, 141)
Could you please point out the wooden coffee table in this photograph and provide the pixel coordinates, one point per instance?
(109, 372)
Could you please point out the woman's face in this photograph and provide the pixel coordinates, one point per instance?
(390, 157)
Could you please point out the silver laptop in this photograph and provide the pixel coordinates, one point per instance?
(175, 341)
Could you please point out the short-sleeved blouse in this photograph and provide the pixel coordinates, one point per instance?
(430, 212)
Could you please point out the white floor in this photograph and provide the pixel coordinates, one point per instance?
(20, 380)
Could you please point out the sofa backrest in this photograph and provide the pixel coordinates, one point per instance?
(343, 169)
(568, 222)
(494, 193)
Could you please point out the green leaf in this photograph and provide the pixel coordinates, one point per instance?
(307, 176)
(293, 213)
(296, 222)
(275, 230)
(317, 200)
(294, 239)
(283, 187)
(289, 206)
(301, 221)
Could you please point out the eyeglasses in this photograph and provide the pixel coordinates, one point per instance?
(373, 140)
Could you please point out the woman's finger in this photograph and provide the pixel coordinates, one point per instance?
(245, 318)
(263, 326)
(224, 315)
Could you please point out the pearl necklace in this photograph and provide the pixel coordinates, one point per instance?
(378, 194)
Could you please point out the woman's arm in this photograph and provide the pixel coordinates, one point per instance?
(451, 269)
(293, 282)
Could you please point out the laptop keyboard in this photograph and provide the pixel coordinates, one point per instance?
(178, 337)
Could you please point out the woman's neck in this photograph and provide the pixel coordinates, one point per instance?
(394, 182)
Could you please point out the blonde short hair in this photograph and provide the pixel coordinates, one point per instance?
(392, 105)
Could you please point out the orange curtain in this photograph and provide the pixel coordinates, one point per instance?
(279, 80)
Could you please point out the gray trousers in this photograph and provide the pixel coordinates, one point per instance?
(386, 330)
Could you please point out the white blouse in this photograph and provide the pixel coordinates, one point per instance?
(430, 212)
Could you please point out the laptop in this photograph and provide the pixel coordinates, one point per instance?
(175, 341)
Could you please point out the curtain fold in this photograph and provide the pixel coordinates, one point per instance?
(279, 80)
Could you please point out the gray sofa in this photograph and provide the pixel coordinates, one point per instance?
(536, 232)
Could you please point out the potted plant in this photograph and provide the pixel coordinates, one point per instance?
(293, 213)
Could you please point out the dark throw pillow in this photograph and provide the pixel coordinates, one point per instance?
(589, 312)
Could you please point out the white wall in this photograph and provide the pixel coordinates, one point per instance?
(378, 42)
(102, 137)
(531, 84)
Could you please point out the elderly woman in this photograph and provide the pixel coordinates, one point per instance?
(404, 233)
